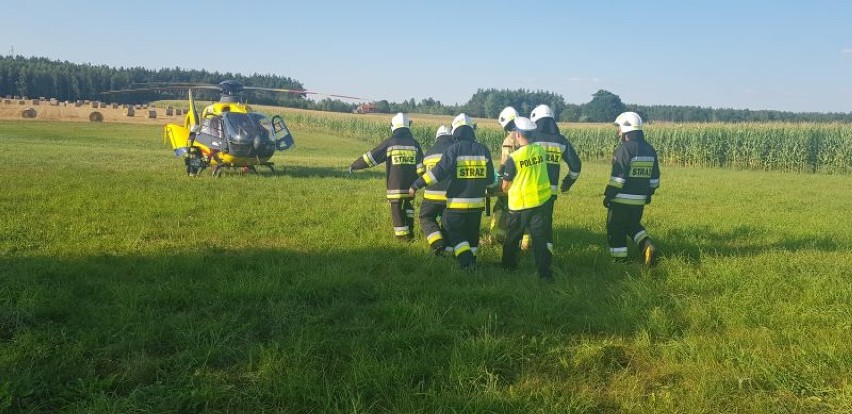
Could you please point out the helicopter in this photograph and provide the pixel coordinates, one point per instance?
(227, 134)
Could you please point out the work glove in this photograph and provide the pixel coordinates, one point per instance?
(566, 185)
(606, 202)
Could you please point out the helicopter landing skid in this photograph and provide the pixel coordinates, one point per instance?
(217, 169)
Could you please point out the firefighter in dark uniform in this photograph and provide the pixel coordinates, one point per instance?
(435, 197)
(635, 176)
(559, 149)
(526, 180)
(404, 159)
(467, 164)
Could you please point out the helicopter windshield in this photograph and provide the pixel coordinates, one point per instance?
(243, 127)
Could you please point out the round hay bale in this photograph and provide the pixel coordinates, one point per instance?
(29, 113)
(36, 101)
(178, 112)
(96, 117)
(152, 113)
(170, 111)
(131, 111)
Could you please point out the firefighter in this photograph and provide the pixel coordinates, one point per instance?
(634, 179)
(558, 149)
(526, 180)
(404, 159)
(435, 198)
(468, 167)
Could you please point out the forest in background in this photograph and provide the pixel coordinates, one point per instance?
(66, 81)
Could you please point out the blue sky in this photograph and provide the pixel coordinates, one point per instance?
(785, 55)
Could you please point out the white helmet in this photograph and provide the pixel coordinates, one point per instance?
(400, 120)
(541, 111)
(628, 121)
(442, 131)
(462, 120)
(508, 114)
(524, 125)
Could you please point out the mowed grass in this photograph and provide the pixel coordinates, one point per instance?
(126, 286)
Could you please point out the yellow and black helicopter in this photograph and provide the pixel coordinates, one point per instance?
(227, 134)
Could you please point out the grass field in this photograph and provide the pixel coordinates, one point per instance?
(127, 287)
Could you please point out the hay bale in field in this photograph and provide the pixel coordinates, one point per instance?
(96, 117)
(178, 112)
(144, 106)
(103, 105)
(95, 104)
(22, 102)
(29, 113)
(78, 103)
(114, 106)
(152, 113)
(130, 111)
(36, 101)
(54, 102)
(170, 111)
(138, 107)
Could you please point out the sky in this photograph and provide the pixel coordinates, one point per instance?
(758, 54)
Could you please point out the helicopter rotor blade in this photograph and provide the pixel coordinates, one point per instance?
(169, 87)
(303, 92)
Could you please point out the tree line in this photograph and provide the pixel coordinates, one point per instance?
(42, 77)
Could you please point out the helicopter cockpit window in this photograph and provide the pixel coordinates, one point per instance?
(264, 122)
(243, 127)
(212, 126)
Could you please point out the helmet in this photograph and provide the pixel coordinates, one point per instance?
(442, 131)
(541, 111)
(462, 120)
(508, 114)
(524, 125)
(400, 120)
(628, 121)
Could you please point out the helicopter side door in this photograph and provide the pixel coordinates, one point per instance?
(283, 138)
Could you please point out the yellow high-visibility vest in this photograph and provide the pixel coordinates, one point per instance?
(531, 185)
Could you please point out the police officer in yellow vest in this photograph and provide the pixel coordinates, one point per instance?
(527, 182)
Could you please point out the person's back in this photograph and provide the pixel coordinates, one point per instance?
(437, 191)
(636, 170)
(474, 172)
(559, 150)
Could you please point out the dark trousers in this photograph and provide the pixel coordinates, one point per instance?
(462, 228)
(431, 213)
(402, 216)
(623, 221)
(548, 208)
(539, 221)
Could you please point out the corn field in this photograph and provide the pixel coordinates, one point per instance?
(807, 147)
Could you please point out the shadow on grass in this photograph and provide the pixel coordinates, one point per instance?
(176, 331)
(301, 171)
(694, 243)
